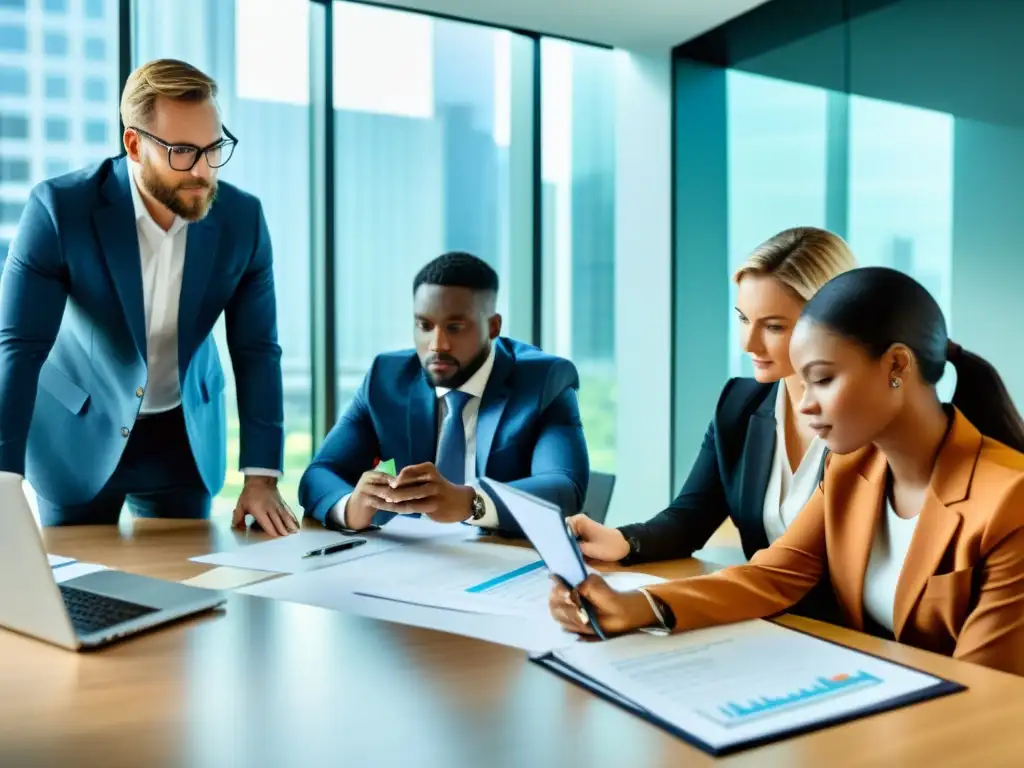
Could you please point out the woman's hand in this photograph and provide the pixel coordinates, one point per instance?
(598, 542)
(617, 612)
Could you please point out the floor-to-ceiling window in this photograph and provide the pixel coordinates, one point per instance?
(57, 57)
(433, 153)
(56, 60)
(578, 225)
(777, 154)
(265, 102)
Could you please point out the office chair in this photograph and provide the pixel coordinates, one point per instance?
(599, 496)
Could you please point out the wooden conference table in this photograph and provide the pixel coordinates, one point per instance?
(267, 683)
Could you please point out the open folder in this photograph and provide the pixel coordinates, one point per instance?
(734, 687)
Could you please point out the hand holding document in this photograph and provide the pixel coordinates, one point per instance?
(547, 530)
(741, 685)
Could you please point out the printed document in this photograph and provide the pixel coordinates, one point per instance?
(522, 591)
(751, 682)
(445, 565)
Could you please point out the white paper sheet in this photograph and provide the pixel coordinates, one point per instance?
(56, 561)
(331, 588)
(74, 570)
(462, 587)
(734, 684)
(284, 555)
(522, 591)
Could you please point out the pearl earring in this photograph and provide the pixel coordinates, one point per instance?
(894, 383)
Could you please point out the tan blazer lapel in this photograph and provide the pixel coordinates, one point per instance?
(852, 531)
(938, 523)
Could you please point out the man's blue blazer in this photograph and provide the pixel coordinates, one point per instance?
(73, 335)
(529, 433)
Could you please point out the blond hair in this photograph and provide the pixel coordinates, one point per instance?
(162, 78)
(802, 258)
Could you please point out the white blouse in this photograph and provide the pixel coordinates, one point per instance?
(888, 551)
(788, 492)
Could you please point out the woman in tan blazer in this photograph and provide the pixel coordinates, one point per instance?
(919, 521)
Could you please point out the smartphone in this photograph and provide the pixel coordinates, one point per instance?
(352, 531)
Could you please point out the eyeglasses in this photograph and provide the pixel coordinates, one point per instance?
(183, 157)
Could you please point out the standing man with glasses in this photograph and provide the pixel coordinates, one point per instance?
(111, 388)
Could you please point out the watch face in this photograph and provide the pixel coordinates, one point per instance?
(478, 507)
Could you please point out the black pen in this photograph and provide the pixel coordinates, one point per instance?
(341, 546)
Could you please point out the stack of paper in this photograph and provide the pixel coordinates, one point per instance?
(471, 588)
(345, 589)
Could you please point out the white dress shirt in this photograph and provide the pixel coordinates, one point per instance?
(475, 386)
(163, 266)
(789, 492)
(888, 551)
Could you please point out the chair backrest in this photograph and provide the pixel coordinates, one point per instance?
(599, 496)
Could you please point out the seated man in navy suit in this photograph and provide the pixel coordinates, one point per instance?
(466, 403)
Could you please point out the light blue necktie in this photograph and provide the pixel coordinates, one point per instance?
(451, 447)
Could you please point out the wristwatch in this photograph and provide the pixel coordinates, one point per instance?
(634, 548)
(479, 509)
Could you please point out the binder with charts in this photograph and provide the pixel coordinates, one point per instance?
(729, 688)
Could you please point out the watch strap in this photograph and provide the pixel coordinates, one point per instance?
(634, 548)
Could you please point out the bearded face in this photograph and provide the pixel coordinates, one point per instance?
(189, 197)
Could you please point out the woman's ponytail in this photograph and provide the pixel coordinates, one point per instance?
(983, 398)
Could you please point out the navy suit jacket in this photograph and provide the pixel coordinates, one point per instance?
(529, 433)
(73, 335)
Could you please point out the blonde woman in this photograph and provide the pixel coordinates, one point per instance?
(760, 462)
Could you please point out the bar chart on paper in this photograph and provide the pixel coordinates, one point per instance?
(733, 713)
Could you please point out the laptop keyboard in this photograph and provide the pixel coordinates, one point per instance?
(90, 612)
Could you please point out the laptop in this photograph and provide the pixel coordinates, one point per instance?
(85, 612)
